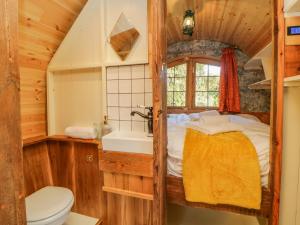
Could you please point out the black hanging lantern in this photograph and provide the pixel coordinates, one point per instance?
(188, 22)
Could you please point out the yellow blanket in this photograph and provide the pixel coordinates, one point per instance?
(221, 169)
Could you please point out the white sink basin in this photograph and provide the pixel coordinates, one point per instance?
(133, 142)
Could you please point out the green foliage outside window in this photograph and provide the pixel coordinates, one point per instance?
(177, 85)
(207, 78)
(207, 85)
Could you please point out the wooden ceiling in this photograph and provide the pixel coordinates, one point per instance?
(246, 24)
(43, 24)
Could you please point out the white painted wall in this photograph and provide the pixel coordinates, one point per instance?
(87, 42)
(82, 46)
(86, 46)
(76, 99)
(290, 192)
(136, 13)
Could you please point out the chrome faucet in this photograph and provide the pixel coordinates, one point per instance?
(148, 117)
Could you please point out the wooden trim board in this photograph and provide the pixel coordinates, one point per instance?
(277, 108)
(128, 193)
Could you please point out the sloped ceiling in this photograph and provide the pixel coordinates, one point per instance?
(43, 24)
(246, 24)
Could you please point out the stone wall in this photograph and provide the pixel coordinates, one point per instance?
(251, 100)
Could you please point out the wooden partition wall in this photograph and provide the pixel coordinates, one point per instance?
(12, 207)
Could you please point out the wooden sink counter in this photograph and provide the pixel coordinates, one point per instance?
(39, 139)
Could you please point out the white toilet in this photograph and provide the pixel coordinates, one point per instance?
(49, 206)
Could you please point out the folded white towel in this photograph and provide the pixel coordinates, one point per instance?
(215, 128)
(214, 119)
(81, 132)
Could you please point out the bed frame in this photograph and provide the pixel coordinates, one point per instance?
(176, 194)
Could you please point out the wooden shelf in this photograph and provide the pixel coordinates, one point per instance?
(292, 6)
(39, 139)
(35, 140)
(264, 84)
(69, 139)
(293, 81)
(74, 67)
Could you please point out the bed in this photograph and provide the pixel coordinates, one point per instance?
(251, 125)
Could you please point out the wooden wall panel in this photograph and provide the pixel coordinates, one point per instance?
(65, 162)
(87, 180)
(127, 163)
(62, 164)
(292, 60)
(123, 210)
(128, 185)
(37, 171)
(42, 27)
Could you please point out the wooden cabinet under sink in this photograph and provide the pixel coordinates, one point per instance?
(127, 174)
(128, 185)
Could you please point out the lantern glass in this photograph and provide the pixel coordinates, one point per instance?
(188, 23)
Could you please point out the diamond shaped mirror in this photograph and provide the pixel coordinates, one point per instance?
(123, 37)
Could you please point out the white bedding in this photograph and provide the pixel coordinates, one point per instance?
(210, 123)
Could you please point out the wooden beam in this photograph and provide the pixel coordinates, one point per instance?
(277, 107)
(12, 206)
(158, 69)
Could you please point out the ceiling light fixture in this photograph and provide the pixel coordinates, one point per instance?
(188, 22)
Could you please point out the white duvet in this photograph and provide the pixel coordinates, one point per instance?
(211, 122)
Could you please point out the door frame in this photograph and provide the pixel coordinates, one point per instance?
(12, 197)
(277, 109)
(157, 10)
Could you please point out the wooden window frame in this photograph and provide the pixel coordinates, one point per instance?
(191, 61)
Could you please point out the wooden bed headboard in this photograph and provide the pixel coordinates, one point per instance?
(262, 116)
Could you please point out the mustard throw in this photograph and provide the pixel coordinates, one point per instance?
(221, 169)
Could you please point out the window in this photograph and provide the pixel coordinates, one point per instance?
(193, 83)
(207, 85)
(177, 85)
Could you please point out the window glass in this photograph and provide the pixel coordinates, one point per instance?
(207, 85)
(176, 96)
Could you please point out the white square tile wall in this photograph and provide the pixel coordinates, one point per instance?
(127, 87)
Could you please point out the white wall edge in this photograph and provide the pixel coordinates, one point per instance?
(107, 64)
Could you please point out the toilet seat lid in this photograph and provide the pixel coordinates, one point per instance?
(47, 202)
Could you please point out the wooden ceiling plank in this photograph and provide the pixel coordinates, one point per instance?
(35, 34)
(72, 6)
(231, 21)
